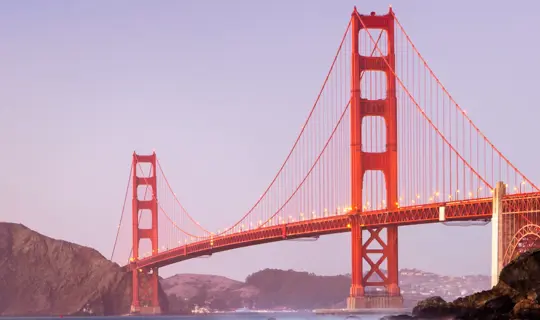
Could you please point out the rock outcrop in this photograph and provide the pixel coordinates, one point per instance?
(516, 296)
(43, 276)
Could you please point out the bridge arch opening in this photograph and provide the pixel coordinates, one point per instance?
(144, 192)
(373, 134)
(374, 191)
(373, 85)
(145, 248)
(367, 48)
(143, 169)
(525, 239)
(145, 219)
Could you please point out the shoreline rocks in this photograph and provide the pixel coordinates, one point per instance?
(516, 296)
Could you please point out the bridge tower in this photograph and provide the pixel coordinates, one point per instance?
(361, 162)
(145, 297)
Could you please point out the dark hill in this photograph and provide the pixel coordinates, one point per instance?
(298, 290)
(43, 276)
(265, 289)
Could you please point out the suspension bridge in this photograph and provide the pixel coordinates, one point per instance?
(384, 145)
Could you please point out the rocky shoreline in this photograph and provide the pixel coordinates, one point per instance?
(516, 296)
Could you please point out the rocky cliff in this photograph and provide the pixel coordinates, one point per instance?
(43, 276)
(516, 296)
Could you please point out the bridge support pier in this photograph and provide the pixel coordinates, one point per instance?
(145, 292)
(497, 250)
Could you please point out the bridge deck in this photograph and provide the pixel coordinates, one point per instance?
(466, 210)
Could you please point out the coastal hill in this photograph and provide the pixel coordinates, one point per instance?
(43, 276)
(280, 289)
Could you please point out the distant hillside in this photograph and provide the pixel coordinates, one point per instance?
(187, 290)
(280, 289)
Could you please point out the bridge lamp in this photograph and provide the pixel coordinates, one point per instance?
(478, 191)
(348, 225)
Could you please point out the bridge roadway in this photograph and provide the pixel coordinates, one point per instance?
(464, 210)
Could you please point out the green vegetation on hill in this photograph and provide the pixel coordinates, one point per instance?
(298, 290)
(266, 289)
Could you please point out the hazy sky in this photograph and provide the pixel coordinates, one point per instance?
(206, 83)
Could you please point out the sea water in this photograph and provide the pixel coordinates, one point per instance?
(232, 316)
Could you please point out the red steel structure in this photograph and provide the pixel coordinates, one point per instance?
(151, 207)
(385, 145)
(363, 160)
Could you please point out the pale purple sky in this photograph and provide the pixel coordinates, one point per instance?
(84, 83)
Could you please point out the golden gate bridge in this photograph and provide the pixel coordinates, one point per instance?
(384, 145)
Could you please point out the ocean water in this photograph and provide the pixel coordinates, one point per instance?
(265, 316)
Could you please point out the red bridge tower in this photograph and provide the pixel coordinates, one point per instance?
(145, 282)
(361, 162)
